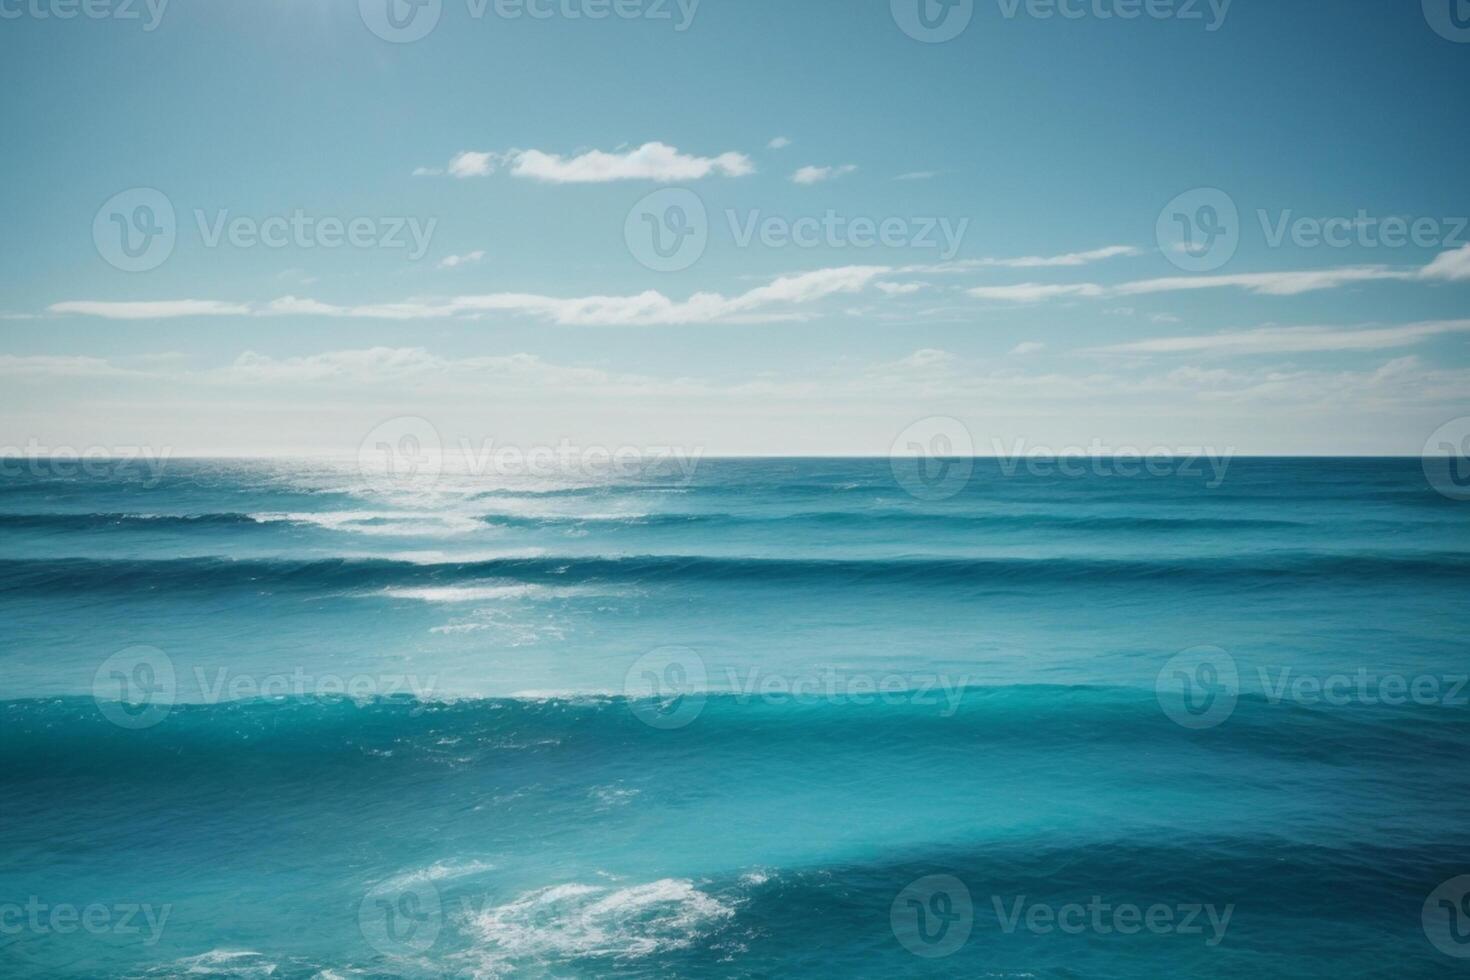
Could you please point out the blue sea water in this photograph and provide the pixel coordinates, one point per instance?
(780, 718)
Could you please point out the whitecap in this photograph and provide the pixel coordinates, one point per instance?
(595, 921)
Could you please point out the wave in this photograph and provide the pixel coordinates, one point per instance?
(170, 576)
(576, 921)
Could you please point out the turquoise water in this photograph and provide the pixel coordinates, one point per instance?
(779, 719)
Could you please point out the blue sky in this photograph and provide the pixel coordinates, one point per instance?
(1032, 177)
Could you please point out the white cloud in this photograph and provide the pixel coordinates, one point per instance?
(1269, 283)
(53, 366)
(1451, 266)
(770, 303)
(150, 309)
(469, 163)
(779, 143)
(651, 161)
(1293, 340)
(1065, 260)
(455, 261)
(1033, 292)
(898, 288)
(815, 175)
(1028, 347)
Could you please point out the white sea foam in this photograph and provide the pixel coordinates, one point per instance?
(438, 871)
(489, 592)
(237, 963)
(594, 921)
(382, 523)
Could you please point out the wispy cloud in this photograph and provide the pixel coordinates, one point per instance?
(899, 288)
(1065, 260)
(773, 302)
(1034, 292)
(455, 261)
(1293, 340)
(1450, 266)
(150, 309)
(651, 161)
(779, 143)
(815, 175)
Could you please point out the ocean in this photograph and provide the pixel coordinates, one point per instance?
(764, 718)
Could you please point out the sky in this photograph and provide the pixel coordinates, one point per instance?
(735, 226)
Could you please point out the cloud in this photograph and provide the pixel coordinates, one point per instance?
(455, 261)
(1033, 292)
(815, 175)
(1028, 347)
(1065, 260)
(53, 366)
(1293, 340)
(150, 309)
(651, 161)
(898, 288)
(918, 175)
(779, 143)
(469, 163)
(1269, 283)
(1450, 266)
(1258, 283)
(764, 304)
